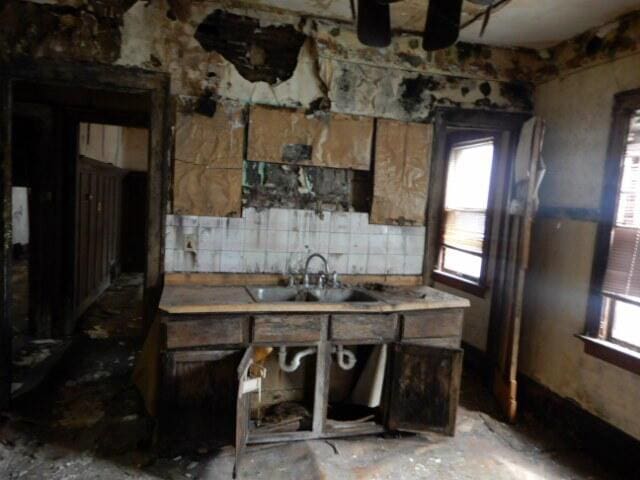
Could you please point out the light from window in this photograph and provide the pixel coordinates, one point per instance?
(621, 313)
(465, 210)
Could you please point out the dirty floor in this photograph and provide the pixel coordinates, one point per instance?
(87, 422)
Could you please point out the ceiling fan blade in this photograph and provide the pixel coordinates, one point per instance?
(373, 23)
(443, 24)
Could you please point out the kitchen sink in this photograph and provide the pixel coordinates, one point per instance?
(300, 294)
(338, 295)
(280, 294)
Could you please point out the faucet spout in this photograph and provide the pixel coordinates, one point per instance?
(306, 267)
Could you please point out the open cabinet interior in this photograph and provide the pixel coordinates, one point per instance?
(284, 399)
(357, 387)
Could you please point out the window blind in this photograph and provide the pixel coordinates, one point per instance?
(464, 229)
(623, 267)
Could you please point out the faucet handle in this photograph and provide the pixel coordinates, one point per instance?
(322, 279)
(335, 281)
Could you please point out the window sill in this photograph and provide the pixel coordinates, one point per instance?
(610, 352)
(458, 283)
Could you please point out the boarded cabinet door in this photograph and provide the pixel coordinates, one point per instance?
(243, 407)
(425, 387)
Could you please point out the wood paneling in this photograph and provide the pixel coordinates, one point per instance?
(287, 328)
(377, 327)
(98, 220)
(432, 323)
(206, 332)
(402, 167)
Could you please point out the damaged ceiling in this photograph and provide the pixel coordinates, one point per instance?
(513, 23)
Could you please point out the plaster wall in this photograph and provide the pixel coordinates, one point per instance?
(577, 109)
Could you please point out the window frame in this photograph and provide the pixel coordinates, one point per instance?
(596, 343)
(478, 287)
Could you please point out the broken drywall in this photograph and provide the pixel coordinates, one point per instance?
(294, 186)
(322, 139)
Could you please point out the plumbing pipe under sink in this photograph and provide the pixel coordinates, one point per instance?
(295, 361)
(346, 358)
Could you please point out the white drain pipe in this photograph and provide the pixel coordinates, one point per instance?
(295, 361)
(346, 358)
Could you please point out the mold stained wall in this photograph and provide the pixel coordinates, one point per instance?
(577, 109)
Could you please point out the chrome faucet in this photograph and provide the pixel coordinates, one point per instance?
(323, 275)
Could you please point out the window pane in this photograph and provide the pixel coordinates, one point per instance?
(626, 323)
(461, 263)
(469, 177)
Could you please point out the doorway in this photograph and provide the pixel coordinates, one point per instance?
(66, 248)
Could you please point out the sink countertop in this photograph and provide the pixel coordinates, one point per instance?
(185, 299)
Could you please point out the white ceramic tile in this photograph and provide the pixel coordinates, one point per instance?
(340, 222)
(318, 242)
(414, 230)
(178, 261)
(359, 222)
(276, 240)
(394, 230)
(182, 233)
(357, 264)
(320, 222)
(207, 261)
(395, 244)
(377, 229)
(276, 262)
(376, 264)
(254, 262)
(297, 242)
(339, 243)
(169, 255)
(414, 244)
(296, 262)
(231, 261)
(254, 219)
(212, 222)
(187, 220)
(232, 240)
(209, 238)
(300, 220)
(255, 240)
(377, 244)
(412, 265)
(170, 237)
(359, 243)
(395, 264)
(235, 223)
(188, 262)
(278, 219)
(171, 220)
(338, 262)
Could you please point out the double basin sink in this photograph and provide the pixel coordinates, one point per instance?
(310, 294)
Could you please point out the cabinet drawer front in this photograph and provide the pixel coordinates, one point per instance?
(364, 327)
(205, 331)
(287, 328)
(432, 323)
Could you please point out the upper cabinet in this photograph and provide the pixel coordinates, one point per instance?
(278, 135)
(401, 178)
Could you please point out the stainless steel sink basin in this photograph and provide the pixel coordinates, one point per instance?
(300, 294)
(338, 295)
(280, 294)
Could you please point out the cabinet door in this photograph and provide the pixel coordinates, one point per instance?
(243, 407)
(425, 386)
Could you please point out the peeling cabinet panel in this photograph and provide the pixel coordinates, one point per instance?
(212, 141)
(203, 190)
(401, 179)
(324, 140)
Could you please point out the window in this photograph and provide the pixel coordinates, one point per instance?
(620, 306)
(462, 251)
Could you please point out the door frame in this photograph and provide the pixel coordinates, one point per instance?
(116, 79)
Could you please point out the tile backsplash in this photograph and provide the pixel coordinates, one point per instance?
(279, 240)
